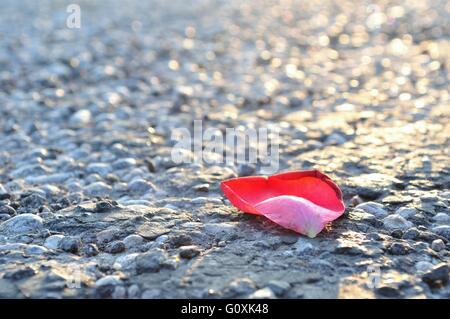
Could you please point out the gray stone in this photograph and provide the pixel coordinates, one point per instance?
(98, 189)
(411, 233)
(304, 246)
(36, 250)
(133, 241)
(140, 186)
(406, 212)
(126, 262)
(7, 210)
(438, 245)
(395, 221)
(53, 241)
(278, 287)
(399, 248)
(443, 231)
(101, 169)
(107, 235)
(70, 244)
(373, 208)
(151, 294)
(110, 280)
(423, 266)
(22, 224)
(115, 247)
(442, 218)
(438, 275)
(124, 163)
(189, 252)
(239, 287)
(151, 261)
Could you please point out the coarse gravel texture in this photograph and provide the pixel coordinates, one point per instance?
(93, 206)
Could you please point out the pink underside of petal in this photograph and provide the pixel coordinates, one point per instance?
(303, 201)
(297, 214)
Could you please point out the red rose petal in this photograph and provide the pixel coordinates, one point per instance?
(303, 201)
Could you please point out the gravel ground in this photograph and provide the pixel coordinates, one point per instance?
(91, 204)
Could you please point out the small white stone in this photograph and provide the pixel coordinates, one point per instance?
(80, 118)
(265, 293)
(438, 245)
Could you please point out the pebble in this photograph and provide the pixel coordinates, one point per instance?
(133, 291)
(140, 186)
(246, 169)
(133, 241)
(189, 252)
(423, 266)
(119, 292)
(205, 200)
(373, 208)
(264, 293)
(239, 287)
(335, 139)
(97, 189)
(80, 118)
(406, 212)
(181, 239)
(437, 276)
(395, 221)
(438, 245)
(151, 261)
(399, 248)
(22, 224)
(70, 244)
(442, 218)
(124, 163)
(115, 247)
(388, 291)
(201, 188)
(443, 231)
(90, 250)
(107, 235)
(151, 294)
(7, 210)
(57, 178)
(53, 241)
(110, 280)
(36, 250)
(101, 169)
(411, 233)
(303, 246)
(126, 262)
(278, 287)
(219, 229)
